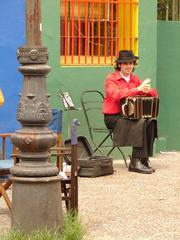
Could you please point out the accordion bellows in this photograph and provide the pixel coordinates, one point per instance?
(140, 107)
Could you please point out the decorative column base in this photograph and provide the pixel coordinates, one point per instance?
(36, 194)
(37, 203)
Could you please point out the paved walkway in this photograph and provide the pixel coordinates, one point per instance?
(129, 206)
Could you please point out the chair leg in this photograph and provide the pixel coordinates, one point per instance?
(124, 158)
(110, 151)
(97, 149)
(67, 198)
(5, 196)
(6, 186)
(66, 192)
(98, 146)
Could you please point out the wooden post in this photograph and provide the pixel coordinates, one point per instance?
(33, 21)
(74, 166)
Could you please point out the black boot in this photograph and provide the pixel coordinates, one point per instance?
(146, 162)
(137, 166)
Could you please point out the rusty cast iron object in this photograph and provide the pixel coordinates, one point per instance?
(36, 191)
(34, 139)
(30, 55)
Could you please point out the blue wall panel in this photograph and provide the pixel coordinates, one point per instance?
(12, 35)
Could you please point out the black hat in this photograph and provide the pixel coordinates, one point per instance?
(126, 56)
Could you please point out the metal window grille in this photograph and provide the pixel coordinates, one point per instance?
(93, 31)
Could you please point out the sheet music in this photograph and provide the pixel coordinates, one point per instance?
(67, 100)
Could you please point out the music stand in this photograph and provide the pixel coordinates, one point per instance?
(68, 106)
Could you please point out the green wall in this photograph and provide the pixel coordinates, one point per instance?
(72, 79)
(147, 40)
(168, 74)
(77, 79)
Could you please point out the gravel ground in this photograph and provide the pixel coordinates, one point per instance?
(128, 205)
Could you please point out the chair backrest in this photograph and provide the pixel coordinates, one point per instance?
(6, 160)
(69, 186)
(6, 147)
(56, 123)
(5, 165)
(92, 101)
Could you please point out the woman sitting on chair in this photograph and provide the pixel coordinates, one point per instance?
(139, 134)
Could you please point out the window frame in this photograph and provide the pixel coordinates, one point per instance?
(125, 35)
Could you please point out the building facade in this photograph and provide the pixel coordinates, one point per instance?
(83, 39)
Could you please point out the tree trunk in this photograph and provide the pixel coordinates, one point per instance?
(175, 10)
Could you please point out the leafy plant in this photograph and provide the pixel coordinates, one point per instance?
(168, 10)
(73, 230)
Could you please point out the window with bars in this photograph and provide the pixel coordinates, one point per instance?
(93, 31)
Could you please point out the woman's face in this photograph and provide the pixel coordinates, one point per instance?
(126, 68)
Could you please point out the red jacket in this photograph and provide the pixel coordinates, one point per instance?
(116, 88)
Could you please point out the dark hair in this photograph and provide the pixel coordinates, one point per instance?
(125, 56)
(117, 67)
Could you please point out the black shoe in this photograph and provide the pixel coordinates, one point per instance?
(146, 162)
(137, 166)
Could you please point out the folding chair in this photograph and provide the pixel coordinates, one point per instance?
(68, 185)
(5, 183)
(91, 101)
(5, 165)
(56, 125)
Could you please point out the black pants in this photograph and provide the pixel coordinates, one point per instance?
(147, 149)
(149, 133)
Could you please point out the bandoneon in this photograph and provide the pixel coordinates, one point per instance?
(140, 107)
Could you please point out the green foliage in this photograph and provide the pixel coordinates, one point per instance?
(164, 1)
(164, 9)
(13, 235)
(36, 235)
(73, 230)
(168, 10)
